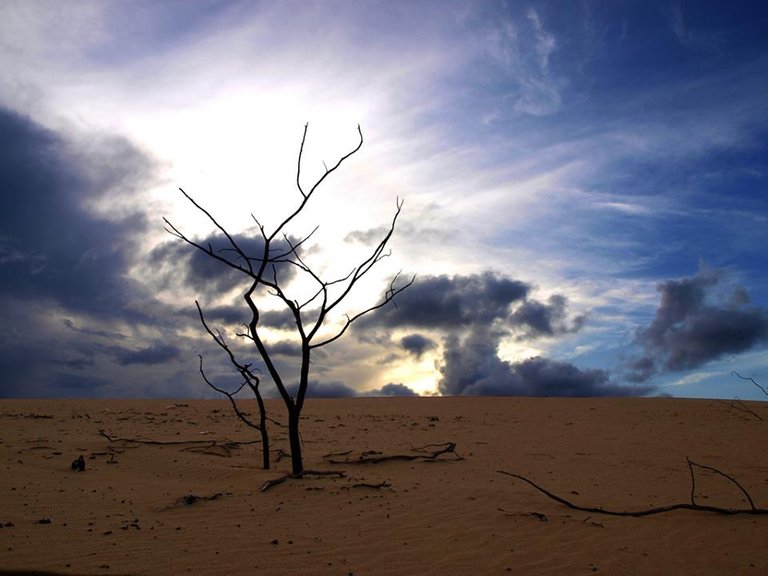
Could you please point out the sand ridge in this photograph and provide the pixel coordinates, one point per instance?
(193, 505)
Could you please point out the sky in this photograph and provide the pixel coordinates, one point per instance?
(584, 188)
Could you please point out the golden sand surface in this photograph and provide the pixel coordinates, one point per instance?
(190, 503)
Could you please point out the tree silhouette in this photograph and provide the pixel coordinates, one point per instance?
(265, 272)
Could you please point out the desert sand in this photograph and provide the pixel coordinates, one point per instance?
(194, 506)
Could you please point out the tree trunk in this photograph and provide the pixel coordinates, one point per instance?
(297, 463)
(263, 430)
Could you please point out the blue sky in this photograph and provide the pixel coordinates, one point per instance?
(585, 186)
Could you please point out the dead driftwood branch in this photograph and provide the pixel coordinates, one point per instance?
(377, 486)
(692, 505)
(429, 453)
(301, 476)
(213, 447)
(739, 406)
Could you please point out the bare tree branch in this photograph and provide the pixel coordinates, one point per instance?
(249, 379)
(763, 390)
(230, 396)
(388, 297)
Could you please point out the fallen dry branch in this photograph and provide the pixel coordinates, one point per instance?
(189, 499)
(739, 406)
(377, 486)
(692, 505)
(332, 454)
(212, 447)
(301, 476)
(429, 453)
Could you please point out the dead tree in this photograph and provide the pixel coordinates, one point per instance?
(279, 251)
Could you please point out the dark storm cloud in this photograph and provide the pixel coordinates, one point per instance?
(538, 319)
(203, 273)
(455, 302)
(699, 319)
(417, 344)
(474, 313)
(392, 390)
(278, 319)
(178, 261)
(340, 390)
(452, 301)
(50, 245)
(231, 315)
(58, 257)
(158, 354)
(91, 332)
(471, 366)
(285, 348)
(65, 385)
(317, 389)
(239, 314)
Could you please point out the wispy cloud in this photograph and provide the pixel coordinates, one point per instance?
(689, 37)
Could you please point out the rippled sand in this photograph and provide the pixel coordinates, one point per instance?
(190, 504)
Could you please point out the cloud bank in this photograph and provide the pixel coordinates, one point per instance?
(70, 310)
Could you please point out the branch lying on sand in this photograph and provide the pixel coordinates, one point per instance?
(692, 505)
(214, 447)
(739, 406)
(377, 486)
(430, 453)
(306, 474)
(190, 499)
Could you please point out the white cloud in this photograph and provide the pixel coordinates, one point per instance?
(545, 41)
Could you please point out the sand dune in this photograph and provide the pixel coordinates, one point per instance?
(194, 506)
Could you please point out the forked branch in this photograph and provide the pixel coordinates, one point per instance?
(389, 296)
(249, 378)
(692, 505)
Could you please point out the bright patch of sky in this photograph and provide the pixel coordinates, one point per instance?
(609, 157)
